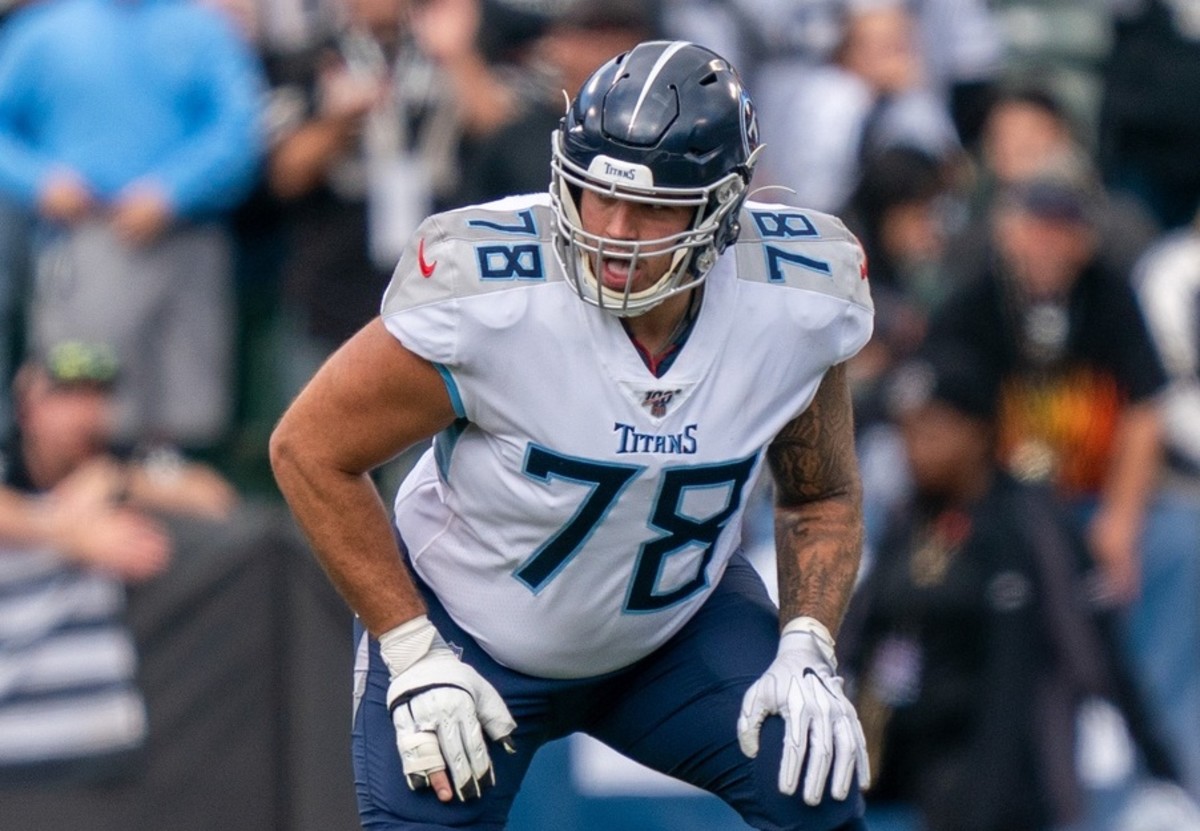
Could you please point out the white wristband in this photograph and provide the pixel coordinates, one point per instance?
(814, 627)
(406, 644)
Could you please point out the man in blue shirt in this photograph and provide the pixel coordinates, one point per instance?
(130, 129)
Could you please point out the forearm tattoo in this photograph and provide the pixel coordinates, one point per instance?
(818, 506)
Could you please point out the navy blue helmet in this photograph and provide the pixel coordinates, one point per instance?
(666, 123)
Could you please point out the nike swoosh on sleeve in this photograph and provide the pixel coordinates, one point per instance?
(426, 268)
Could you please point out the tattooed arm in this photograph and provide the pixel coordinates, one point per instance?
(818, 539)
(818, 506)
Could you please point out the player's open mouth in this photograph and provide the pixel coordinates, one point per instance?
(615, 273)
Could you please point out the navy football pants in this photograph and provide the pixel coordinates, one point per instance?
(674, 711)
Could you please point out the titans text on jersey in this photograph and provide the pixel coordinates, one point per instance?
(631, 441)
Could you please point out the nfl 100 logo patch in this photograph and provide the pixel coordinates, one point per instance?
(657, 401)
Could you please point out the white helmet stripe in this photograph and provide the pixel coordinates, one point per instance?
(662, 61)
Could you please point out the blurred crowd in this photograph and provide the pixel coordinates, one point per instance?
(216, 192)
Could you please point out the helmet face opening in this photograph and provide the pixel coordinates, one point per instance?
(667, 124)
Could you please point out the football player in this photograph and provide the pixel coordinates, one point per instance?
(606, 370)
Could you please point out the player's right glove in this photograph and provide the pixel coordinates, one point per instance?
(802, 686)
(441, 707)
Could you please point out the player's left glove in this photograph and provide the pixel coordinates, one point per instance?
(802, 686)
(441, 708)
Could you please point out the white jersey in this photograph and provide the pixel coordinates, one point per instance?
(581, 509)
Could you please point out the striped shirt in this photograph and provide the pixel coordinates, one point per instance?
(68, 691)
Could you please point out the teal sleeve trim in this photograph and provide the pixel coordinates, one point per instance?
(452, 389)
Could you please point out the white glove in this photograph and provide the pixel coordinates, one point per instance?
(438, 704)
(803, 687)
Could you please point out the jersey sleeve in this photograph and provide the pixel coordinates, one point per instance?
(811, 253)
(444, 301)
(420, 304)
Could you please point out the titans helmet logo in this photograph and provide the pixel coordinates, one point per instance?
(749, 120)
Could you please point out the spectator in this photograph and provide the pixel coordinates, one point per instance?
(484, 76)
(1149, 125)
(1080, 372)
(899, 212)
(873, 96)
(1026, 133)
(781, 41)
(75, 527)
(580, 37)
(367, 128)
(1168, 284)
(1062, 46)
(1080, 409)
(131, 128)
(110, 566)
(1027, 130)
(964, 49)
(973, 641)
